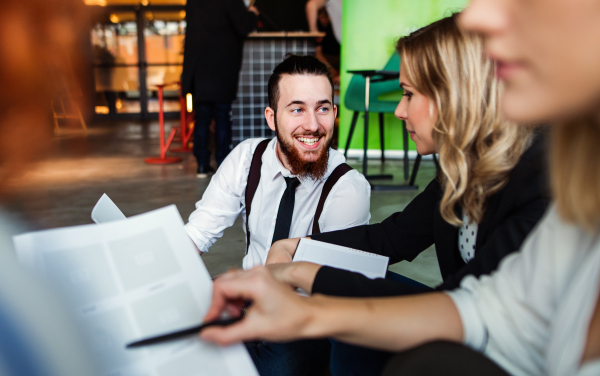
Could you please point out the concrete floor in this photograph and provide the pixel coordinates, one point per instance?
(62, 189)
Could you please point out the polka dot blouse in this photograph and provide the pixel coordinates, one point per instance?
(467, 235)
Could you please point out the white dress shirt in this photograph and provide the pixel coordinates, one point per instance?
(532, 315)
(346, 206)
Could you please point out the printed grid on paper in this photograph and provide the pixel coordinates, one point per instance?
(261, 56)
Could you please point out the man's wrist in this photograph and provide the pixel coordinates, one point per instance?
(294, 247)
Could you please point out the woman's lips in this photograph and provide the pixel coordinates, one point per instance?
(504, 69)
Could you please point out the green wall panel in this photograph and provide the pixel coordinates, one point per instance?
(370, 29)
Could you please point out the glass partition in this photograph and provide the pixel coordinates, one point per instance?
(164, 35)
(116, 64)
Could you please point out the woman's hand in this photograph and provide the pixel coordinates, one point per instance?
(282, 251)
(295, 274)
(277, 313)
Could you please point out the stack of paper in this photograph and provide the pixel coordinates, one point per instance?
(132, 279)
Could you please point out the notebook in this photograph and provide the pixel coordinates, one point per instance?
(368, 264)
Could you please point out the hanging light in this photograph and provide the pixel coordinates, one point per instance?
(188, 102)
(101, 3)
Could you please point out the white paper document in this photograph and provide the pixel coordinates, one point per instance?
(128, 280)
(369, 264)
(105, 211)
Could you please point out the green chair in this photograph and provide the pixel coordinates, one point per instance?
(384, 94)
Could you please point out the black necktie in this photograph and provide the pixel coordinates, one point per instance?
(286, 210)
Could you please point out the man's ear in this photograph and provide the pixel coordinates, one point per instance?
(270, 116)
(335, 111)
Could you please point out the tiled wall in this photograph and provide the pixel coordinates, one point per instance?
(261, 55)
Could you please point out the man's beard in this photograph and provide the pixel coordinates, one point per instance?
(314, 170)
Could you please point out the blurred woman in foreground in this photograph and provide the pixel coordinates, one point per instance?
(37, 46)
(539, 313)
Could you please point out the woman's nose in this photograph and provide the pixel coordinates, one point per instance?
(400, 111)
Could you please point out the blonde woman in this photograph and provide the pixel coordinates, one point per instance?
(540, 312)
(491, 189)
(489, 194)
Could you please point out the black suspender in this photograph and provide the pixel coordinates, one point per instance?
(254, 179)
(252, 184)
(331, 180)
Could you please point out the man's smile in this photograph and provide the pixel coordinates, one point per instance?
(309, 142)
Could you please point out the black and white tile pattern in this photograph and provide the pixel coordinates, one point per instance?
(261, 56)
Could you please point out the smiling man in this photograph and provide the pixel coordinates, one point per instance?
(291, 186)
(278, 185)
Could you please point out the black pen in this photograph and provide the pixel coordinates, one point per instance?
(182, 333)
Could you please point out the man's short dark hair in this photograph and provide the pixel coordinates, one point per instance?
(295, 65)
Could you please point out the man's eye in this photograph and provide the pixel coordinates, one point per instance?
(296, 111)
(323, 109)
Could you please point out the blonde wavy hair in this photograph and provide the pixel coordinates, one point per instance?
(477, 147)
(575, 171)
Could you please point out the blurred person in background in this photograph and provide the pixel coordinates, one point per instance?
(37, 45)
(212, 59)
(326, 16)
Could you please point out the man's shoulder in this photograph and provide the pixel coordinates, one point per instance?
(335, 160)
(351, 181)
(238, 161)
(251, 143)
(246, 148)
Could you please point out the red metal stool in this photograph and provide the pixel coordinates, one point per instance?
(187, 125)
(164, 145)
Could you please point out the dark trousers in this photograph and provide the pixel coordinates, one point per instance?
(442, 358)
(205, 112)
(298, 358)
(350, 360)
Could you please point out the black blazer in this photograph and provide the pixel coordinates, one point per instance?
(510, 215)
(214, 42)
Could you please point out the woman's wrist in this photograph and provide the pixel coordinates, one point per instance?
(325, 317)
(302, 274)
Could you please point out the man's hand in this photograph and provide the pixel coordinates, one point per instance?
(253, 9)
(295, 274)
(282, 251)
(277, 313)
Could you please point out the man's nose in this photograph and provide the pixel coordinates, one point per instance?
(312, 122)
